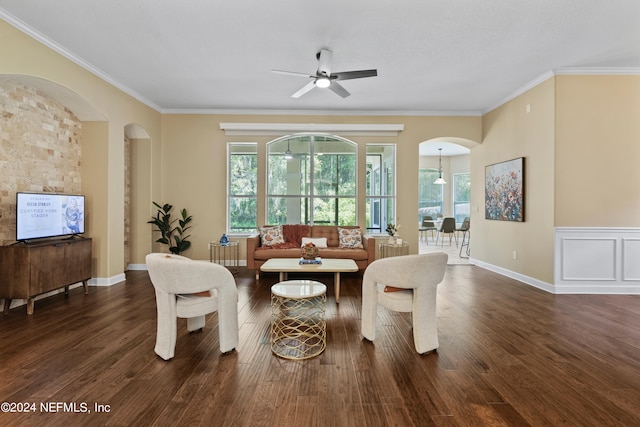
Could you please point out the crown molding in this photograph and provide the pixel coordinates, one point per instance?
(267, 112)
(597, 71)
(288, 128)
(569, 71)
(533, 83)
(41, 38)
(33, 33)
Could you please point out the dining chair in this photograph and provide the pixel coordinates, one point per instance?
(426, 226)
(448, 227)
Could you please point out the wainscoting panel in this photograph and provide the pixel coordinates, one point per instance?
(597, 260)
(588, 259)
(631, 259)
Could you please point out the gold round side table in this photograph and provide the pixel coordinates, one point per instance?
(298, 325)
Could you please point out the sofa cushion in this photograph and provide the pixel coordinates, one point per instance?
(295, 232)
(271, 235)
(329, 253)
(277, 253)
(319, 242)
(344, 253)
(330, 232)
(350, 238)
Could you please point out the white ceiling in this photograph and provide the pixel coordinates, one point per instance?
(432, 56)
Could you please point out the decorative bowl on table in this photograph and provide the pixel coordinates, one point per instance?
(309, 251)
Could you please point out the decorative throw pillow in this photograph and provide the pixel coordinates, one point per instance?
(271, 235)
(350, 238)
(319, 242)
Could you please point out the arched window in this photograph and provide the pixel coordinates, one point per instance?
(311, 179)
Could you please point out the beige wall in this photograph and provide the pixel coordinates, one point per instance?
(578, 137)
(523, 127)
(597, 178)
(140, 235)
(194, 151)
(104, 111)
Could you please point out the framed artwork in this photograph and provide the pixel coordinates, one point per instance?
(504, 191)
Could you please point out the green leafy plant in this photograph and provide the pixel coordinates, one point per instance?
(172, 235)
(392, 229)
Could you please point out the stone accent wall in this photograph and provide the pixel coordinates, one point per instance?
(39, 149)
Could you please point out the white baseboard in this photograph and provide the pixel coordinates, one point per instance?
(140, 267)
(107, 281)
(513, 275)
(589, 260)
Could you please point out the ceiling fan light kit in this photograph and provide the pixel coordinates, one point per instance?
(325, 79)
(287, 154)
(323, 82)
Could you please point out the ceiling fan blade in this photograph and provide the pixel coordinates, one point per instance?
(339, 89)
(292, 73)
(348, 75)
(306, 88)
(324, 62)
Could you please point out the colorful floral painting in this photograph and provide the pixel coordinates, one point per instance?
(504, 191)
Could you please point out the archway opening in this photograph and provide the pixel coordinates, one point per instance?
(444, 191)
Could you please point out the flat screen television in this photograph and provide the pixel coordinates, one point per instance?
(40, 215)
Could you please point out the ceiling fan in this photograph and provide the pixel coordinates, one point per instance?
(324, 78)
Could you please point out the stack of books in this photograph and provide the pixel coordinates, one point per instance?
(310, 261)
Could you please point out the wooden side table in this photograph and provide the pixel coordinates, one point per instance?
(226, 255)
(392, 249)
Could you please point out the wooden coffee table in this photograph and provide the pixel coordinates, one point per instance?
(292, 265)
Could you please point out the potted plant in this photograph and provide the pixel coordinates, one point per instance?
(392, 230)
(172, 235)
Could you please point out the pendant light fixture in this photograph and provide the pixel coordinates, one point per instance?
(440, 180)
(287, 154)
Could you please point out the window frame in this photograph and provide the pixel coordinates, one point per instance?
(429, 181)
(459, 202)
(230, 196)
(309, 195)
(386, 194)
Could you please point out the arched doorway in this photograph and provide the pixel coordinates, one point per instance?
(448, 197)
(137, 195)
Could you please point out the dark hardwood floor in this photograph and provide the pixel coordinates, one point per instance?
(510, 355)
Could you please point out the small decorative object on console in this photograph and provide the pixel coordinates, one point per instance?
(310, 261)
(224, 240)
(309, 251)
(392, 229)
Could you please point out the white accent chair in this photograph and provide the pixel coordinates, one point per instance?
(175, 279)
(418, 277)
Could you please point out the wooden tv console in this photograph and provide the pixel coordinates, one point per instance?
(31, 269)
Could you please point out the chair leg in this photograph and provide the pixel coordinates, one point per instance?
(195, 323)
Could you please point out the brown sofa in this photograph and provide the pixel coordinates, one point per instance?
(258, 255)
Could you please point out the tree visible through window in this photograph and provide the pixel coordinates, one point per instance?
(317, 185)
(461, 196)
(242, 187)
(429, 194)
(380, 186)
